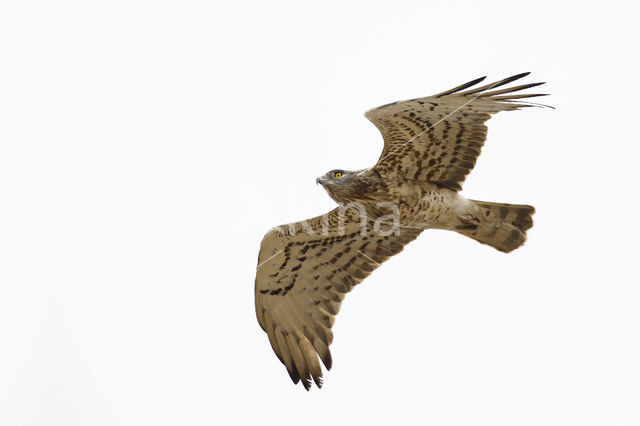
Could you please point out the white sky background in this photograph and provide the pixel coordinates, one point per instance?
(147, 146)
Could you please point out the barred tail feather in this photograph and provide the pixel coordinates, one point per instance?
(501, 226)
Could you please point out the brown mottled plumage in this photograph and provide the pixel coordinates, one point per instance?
(430, 145)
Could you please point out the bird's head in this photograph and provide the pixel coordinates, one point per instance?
(342, 185)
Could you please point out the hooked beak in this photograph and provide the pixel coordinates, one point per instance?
(321, 180)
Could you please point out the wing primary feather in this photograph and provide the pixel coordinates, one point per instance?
(495, 84)
(271, 334)
(286, 355)
(510, 89)
(521, 96)
(298, 361)
(518, 104)
(323, 351)
(461, 87)
(311, 358)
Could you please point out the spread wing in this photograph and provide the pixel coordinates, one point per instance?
(438, 138)
(304, 271)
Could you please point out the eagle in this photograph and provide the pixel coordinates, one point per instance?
(306, 268)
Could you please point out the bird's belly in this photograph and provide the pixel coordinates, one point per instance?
(430, 207)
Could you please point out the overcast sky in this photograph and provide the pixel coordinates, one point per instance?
(147, 146)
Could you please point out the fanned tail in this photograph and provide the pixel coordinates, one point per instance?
(502, 226)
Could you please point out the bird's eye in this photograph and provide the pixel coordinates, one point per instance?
(337, 174)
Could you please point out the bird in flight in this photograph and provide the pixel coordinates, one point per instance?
(306, 268)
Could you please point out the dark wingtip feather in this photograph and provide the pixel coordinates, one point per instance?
(495, 84)
(326, 360)
(306, 382)
(319, 381)
(295, 377)
(520, 96)
(508, 90)
(516, 98)
(514, 77)
(522, 74)
(461, 87)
